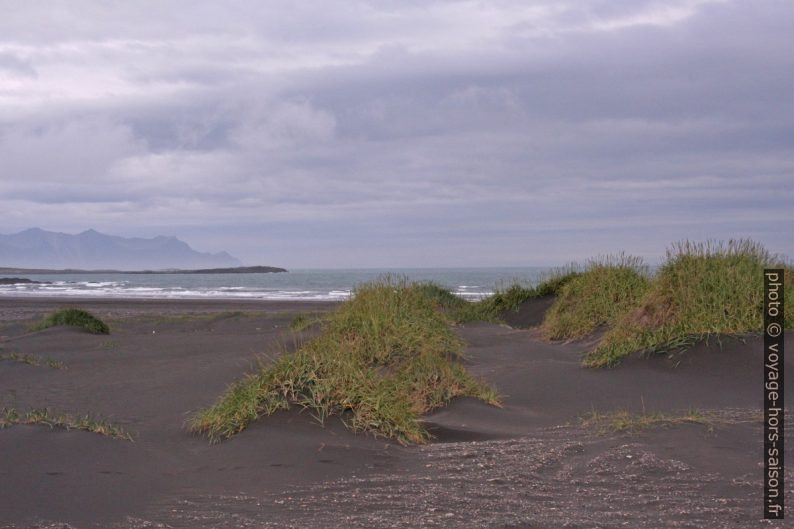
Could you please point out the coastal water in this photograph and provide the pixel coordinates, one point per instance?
(469, 283)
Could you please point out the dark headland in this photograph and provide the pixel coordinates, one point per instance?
(18, 281)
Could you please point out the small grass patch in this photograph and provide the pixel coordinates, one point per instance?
(384, 358)
(607, 288)
(76, 318)
(303, 321)
(633, 423)
(10, 417)
(108, 344)
(32, 360)
(703, 289)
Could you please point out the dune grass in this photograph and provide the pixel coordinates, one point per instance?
(442, 296)
(76, 318)
(702, 289)
(510, 298)
(633, 423)
(32, 360)
(303, 321)
(506, 299)
(383, 359)
(43, 416)
(607, 287)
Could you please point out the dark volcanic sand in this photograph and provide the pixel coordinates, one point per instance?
(528, 464)
(530, 313)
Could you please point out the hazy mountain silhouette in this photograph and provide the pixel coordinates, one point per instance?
(91, 250)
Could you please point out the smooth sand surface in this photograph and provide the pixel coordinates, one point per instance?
(528, 464)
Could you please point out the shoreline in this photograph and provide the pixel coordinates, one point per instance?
(25, 307)
(298, 285)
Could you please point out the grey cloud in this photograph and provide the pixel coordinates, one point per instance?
(458, 129)
(14, 65)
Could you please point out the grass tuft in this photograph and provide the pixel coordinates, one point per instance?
(303, 321)
(625, 422)
(607, 287)
(383, 359)
(10, 417)
(702, 289)
(76, 318)
(32, 360)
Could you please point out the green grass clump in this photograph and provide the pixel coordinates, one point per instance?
(491, 308)
(383, 359)
(441, 296)
(76, 318)
(303, 321)
(701, 290)
(10, 417)
(552, 283)
(607, 288)
(510, 298)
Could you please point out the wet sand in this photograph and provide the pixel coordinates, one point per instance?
(528, 464)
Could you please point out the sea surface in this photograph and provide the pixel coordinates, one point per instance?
(469, 283)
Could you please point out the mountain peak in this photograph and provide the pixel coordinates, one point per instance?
(92, 250)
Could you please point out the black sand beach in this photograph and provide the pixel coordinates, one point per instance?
(529, 464)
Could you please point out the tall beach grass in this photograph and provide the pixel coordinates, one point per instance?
(702, 289)
(607, 287)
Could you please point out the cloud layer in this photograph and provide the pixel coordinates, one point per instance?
(345, 134)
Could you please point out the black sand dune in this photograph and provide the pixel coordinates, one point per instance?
(529, 313)
(528, 464)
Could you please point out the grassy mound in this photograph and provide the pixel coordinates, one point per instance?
(607, 288)
(442, 296)
(492, 307)
(75, 318)
(384, 358)
(702, 289)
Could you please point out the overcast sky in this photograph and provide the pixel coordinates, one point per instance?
(401, 133)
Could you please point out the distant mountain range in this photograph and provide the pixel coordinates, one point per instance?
(91, 250)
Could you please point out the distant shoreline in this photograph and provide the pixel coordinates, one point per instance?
(234, 270)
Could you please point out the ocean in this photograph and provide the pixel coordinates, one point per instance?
(468, 283)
